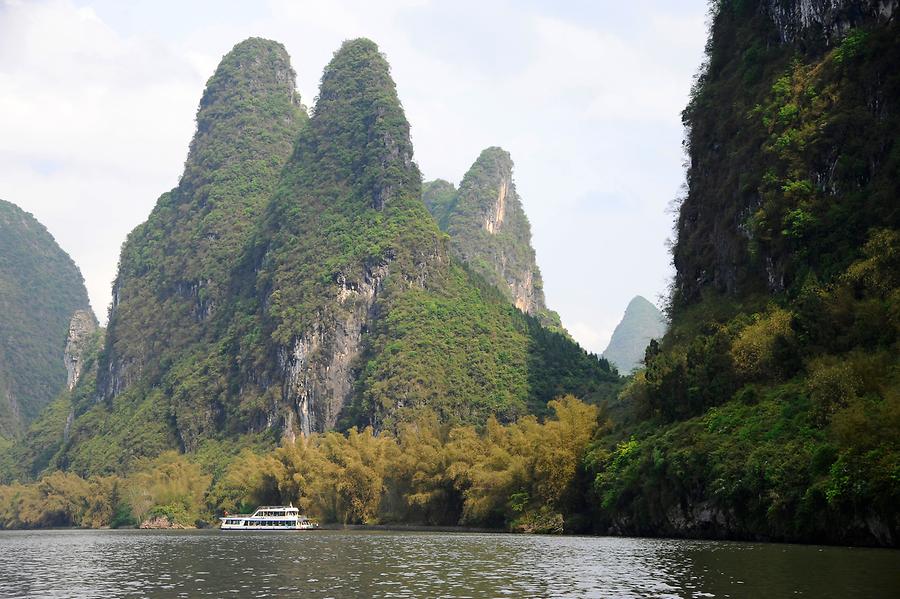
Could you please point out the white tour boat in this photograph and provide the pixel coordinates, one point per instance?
(269, 517)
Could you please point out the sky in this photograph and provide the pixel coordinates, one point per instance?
(98, 98)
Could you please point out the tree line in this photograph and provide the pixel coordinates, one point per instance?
(527, 476)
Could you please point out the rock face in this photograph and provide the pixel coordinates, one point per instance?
(353, 166)
(489, 230)
(81, 331)
(796, 190)
(642, 322)
(175, 268)
(40, 288)
(824, 21)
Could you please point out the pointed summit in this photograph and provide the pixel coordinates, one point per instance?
(642, 322)
(251, 95)
(340, 304)
(359, 130)
(490, 232)
(347, 223)
(174, 268)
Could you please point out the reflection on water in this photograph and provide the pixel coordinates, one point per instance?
(81, 564)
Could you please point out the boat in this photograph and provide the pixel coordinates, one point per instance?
(269, 517)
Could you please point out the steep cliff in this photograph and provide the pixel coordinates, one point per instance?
(174, 269)
(81, 332)
(781, 183)
(40, 289)
(340, 305)
(490, 232)
(771, 409)
(641, 322)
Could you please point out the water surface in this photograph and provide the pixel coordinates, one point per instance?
(82, 564)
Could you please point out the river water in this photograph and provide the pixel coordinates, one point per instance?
(80, 564)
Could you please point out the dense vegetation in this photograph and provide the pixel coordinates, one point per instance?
(274, 293)
(772, 407)
(174, 271)
(641, 323)
(526, 476)
(490, 232)
(40, 289)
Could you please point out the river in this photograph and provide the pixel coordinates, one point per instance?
(79, 564)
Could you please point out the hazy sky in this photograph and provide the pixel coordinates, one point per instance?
(97, 104)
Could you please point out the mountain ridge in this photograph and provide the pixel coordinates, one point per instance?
(341, 305)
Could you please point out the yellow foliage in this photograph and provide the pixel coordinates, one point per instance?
(431, 471)
(752, 350)
(169, 480)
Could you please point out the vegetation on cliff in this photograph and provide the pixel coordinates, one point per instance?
(526, 476)
(174, 270)
(490, 232)
(771, 409)
(40, 289)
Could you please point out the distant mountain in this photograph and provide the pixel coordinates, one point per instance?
(490, 232)
(642, 322)
(40, 290)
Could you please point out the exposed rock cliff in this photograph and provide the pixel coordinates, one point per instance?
(489, 230)
(40, 288)
(778, 180)
(81, 332)
(824, 21)
(642, 322)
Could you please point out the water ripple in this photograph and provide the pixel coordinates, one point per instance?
(102, 564)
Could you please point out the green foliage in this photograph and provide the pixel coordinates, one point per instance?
(526, 476)
(40, 289)
(440, 199)
(490, 232)
(345, 207)
(792, 172)
(769, 410)
(174, 271)
(336, 288)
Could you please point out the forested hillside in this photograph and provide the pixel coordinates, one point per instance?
(295, 283)
(329, 345)
(771, 409)
(40, 290)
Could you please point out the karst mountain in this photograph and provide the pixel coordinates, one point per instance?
(294, 282)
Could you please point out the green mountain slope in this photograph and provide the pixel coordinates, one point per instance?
(490, 232)
(339, 305)
(40, 290)
(174, 269)
(771, 409)
(642, 322)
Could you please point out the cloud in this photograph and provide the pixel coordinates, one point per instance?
(90, 119)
